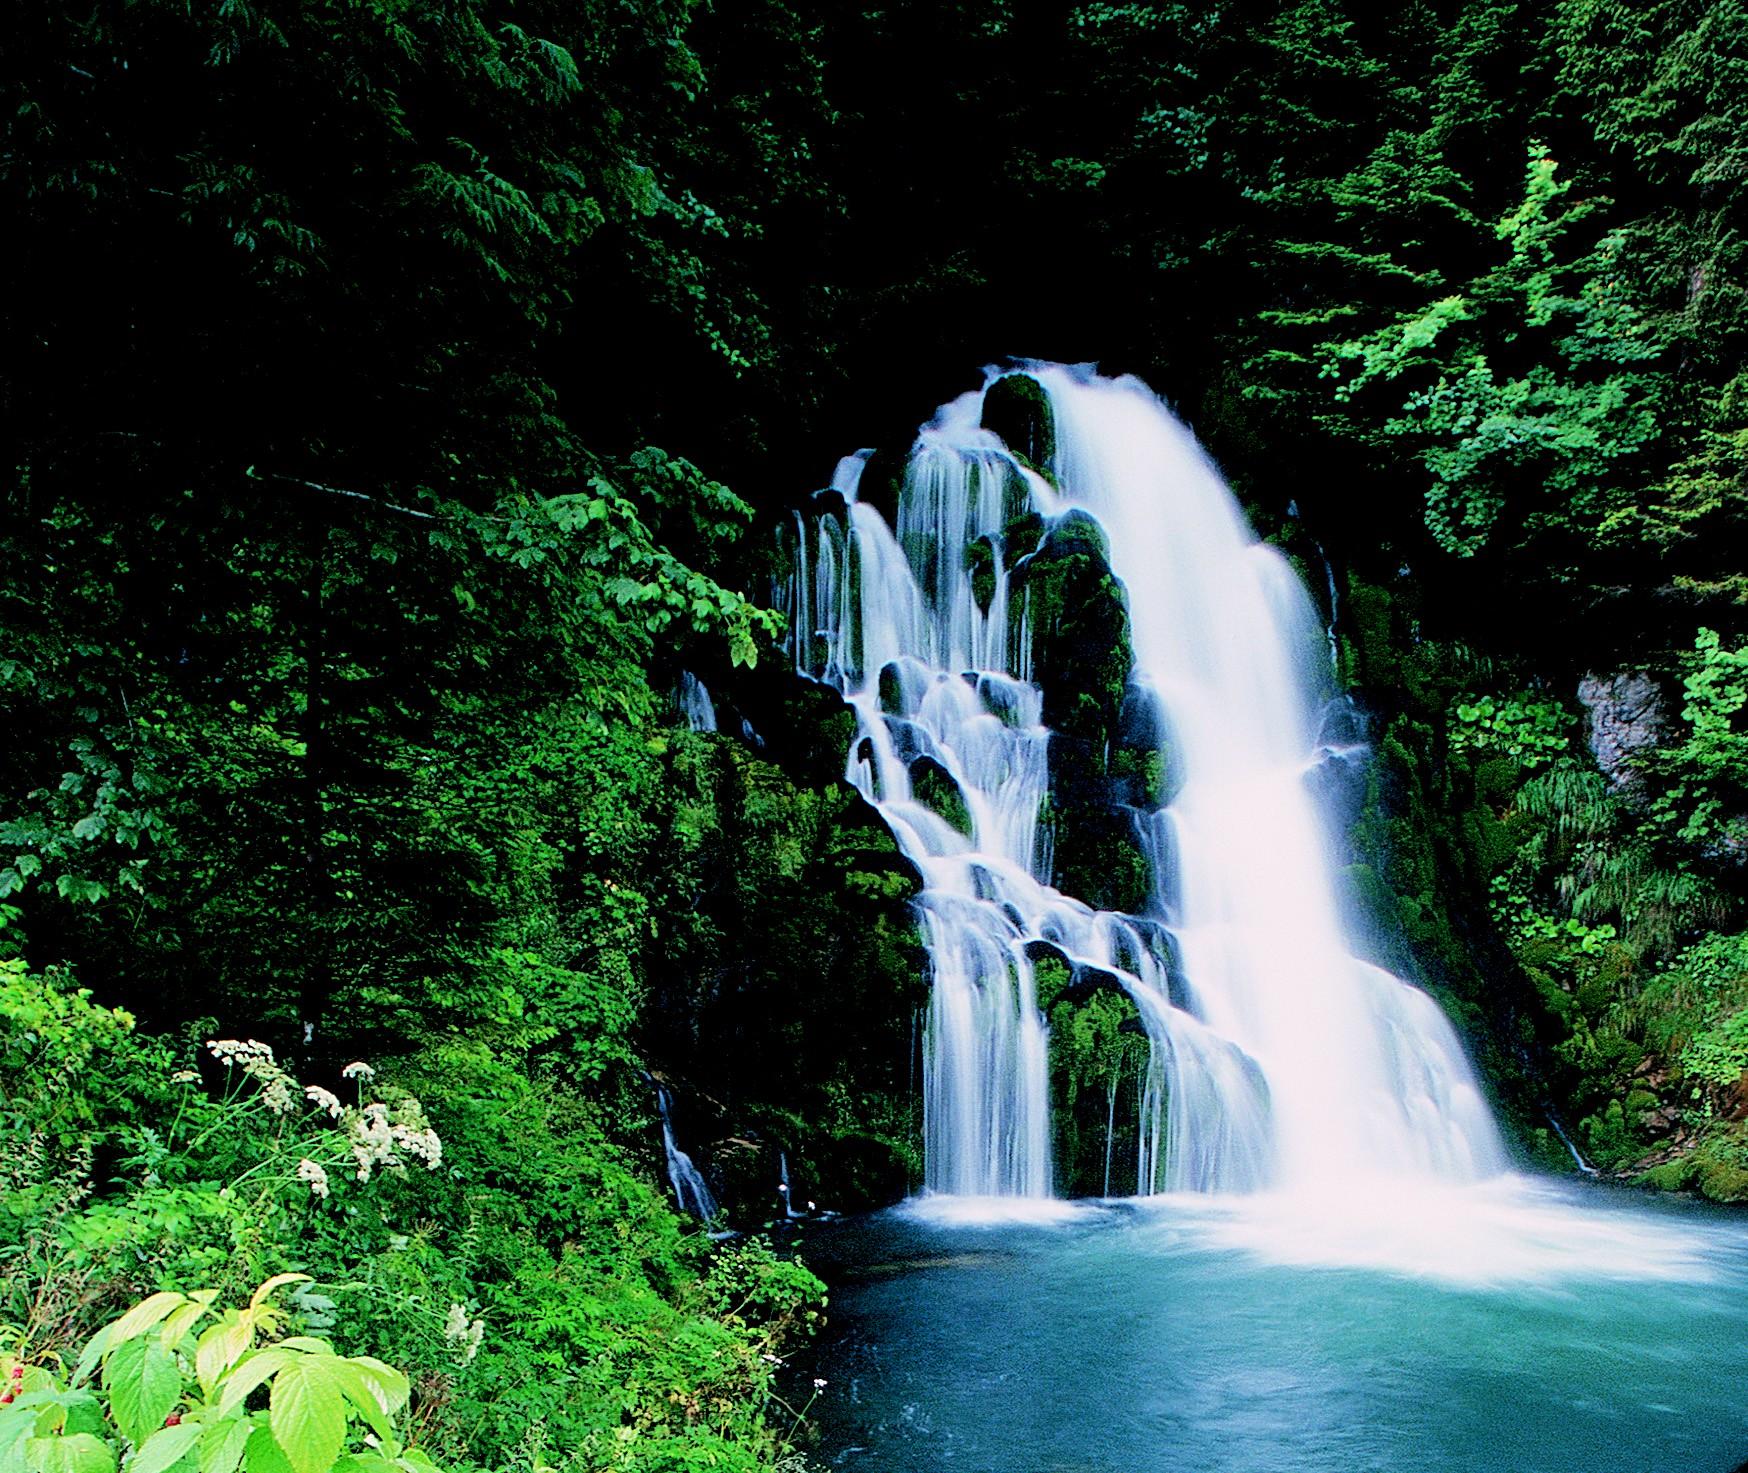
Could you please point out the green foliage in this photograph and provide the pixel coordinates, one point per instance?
(173, 1391)
(1581, 406)
(522, 1267)
(1530, 732)
(1703, 789)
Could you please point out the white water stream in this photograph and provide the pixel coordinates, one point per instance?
(1277, 1059)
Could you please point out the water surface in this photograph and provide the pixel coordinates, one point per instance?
(1524, 1326)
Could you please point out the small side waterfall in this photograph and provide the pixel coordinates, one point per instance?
(692, 697)
(691, 1192)
(1275, 1057)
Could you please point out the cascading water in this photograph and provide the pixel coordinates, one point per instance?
(691, 1193)
(1276, 1058)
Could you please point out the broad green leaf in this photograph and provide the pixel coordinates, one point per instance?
(362, 1394)
(261, 1454)
(307, 1412)
(80, 1453)
(143, 1385)
(259, 1297)
(94, 1351)
(144, 1315)
(221, 1444)
(165, 1447)
(220, 1347)
(390, 1386)
(178, 1323)
(249, 1374)
(17, 1425)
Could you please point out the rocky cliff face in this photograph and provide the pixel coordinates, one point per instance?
(1626, 715)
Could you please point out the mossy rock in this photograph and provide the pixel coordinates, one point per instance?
(1052, 973)
(1671, 1176)
(1722, 1180)
(882, 482)
(980, 562)
(1021, 536)
(933, 786)
(1081, 655)
(1098, 858)
(1095, 1042)
(1016, 409)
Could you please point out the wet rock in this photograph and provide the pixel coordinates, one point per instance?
(933, 786)
(1627, 715)
(1016, 409)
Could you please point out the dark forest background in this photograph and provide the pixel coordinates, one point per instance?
(399, 394)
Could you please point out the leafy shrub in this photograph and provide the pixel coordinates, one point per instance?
(175, 1381)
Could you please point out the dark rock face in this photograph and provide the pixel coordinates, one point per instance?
(1627, 715)
(1017, 409)
(933, 786)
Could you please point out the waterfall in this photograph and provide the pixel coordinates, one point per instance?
(1276, 1057)
(691, 1193)
(692, 697)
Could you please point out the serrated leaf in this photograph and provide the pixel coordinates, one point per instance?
(143, 1385)
(178, 1322)
(247, 1375)
(221, 1444)
(307, 1412)
(261, 1454)
(391, 1386)
(144, 1315)
(164, 1448)
(220, 1347)
(80, 1453)
(259, 1297)
(363, 1395)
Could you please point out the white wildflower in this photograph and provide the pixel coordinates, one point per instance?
(255, 1059)
(358, 1069)
(239, 1051)
(819, 1383)
(326, 1099)
(464, 1336)
(311, 1172)
(385, 1138)
(185, 1076)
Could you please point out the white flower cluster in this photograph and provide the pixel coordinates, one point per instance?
(358, 1069)
(278, 1089)
(325, 1099)
(312, 1172)
(380, 1136)
(463, 1336)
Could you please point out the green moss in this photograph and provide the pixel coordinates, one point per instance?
(1051, 975)
(933, 786)
(980, 563)
(1021, 535)
(1016, 409)
(1095, 1046)
(1671, 1176)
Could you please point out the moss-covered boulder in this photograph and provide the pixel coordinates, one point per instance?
(1016, 409)
(1097, 1054)
(933, 786)
(1103, 764)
